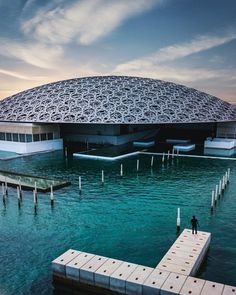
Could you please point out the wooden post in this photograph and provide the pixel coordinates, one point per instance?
(152, 159)
(121, 169)
(3, 190)
(163, 157)
(228, 174)
(220, 188)
(20, 190)
(18, 195)
(178, 219)
(52, 196)
(35, 190)
(6, 189)
(80, 186)
(216, 194)
(35, 198)
(102, 177)
(223, 183)
(226, 178)
(212, 200)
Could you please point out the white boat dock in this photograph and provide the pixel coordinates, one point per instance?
(187, 253)
(173, 275)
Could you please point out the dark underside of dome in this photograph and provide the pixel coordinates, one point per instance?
(115, 100)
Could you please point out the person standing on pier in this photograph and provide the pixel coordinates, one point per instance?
(195, 224)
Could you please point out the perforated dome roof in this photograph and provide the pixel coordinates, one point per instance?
(114, 99)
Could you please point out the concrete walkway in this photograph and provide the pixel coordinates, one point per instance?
(173, 275)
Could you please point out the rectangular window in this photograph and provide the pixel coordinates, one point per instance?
(15, 137)
(29, 138)
(2, 136)
(8, 136)
(36, 137)
(22, 137)
(43, 136)
(50, 136)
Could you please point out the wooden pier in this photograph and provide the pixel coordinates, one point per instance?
(27, 181)
(173, 275)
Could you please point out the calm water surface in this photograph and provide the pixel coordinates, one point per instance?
(131, 218)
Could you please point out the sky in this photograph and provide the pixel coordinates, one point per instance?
(190, 42)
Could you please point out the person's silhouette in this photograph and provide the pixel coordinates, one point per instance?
(195, 224)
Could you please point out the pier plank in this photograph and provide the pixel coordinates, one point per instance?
(154, 282)
(229, 290)
(134, 283)
(212, 288)
(173, 284)
(119, 277)
(59, 264)
(87, 270)
(192, 286)
(102, 275)
(73, 267)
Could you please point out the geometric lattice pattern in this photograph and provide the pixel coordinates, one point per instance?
(115, 99)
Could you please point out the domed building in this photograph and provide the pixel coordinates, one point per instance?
(110, 110)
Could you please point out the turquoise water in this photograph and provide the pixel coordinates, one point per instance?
(131, 218)
(4, 154)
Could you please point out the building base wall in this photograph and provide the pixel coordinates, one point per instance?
(110, 139)
(31, 147)
(226, 130)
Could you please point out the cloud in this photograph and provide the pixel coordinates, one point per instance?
(85, 21)
(18, 75)
(36, 54)
(174, 52)
(165, 64)
(47, 33)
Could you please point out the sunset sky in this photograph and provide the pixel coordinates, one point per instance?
(191, 42)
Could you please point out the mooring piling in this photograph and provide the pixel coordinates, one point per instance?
(3, 190)
(18, 196)
(212, 200)
(80, 186)
(6, 189)
(152, 159)
(216, 194)
(52, 196)
(137, 165)
(223, 184)
(220, 188)
(163, 157)
(168, 155)
(66, 152)
(102, 176)
(173, 152)
(226, 178)
(20, 190)
(35, 198)
(35, 189)
(228, 174)
(178, 219)
(121, 169)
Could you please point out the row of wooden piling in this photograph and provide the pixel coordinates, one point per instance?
(167, 156)
(19, 194)
(164, 156)
(220, 188)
